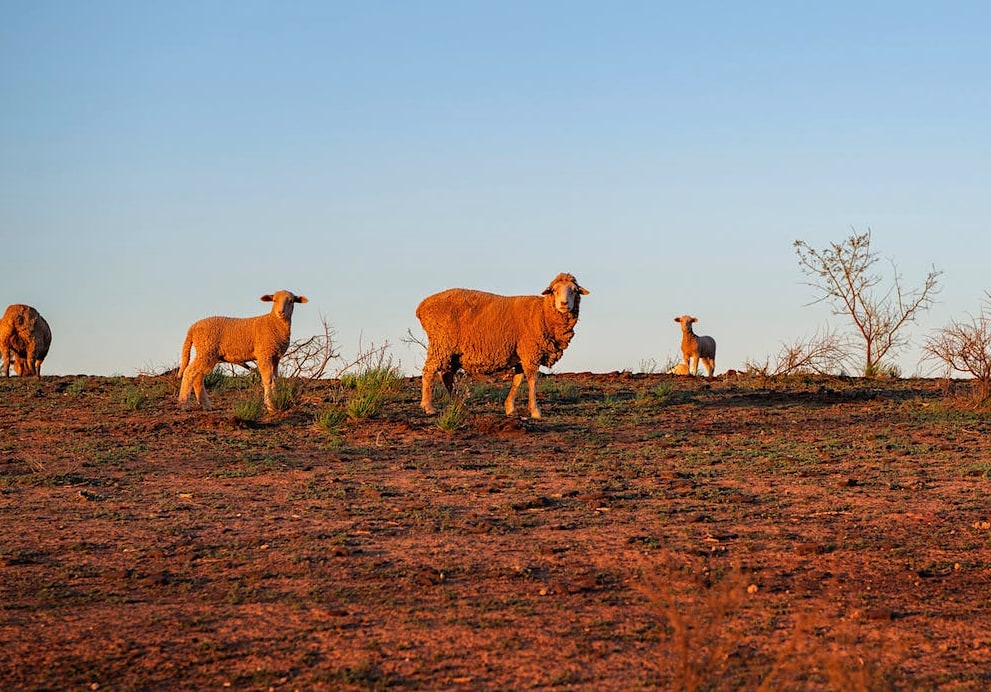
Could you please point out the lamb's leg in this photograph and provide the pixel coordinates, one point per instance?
(710, 366)
(448, 379)
(196, 372)
(267, 371)
(511, 399)
(6, 363)
(199, 388)
(693, 365)
(185, 387)
(30, 367)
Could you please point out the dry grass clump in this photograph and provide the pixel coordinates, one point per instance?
(707, 615)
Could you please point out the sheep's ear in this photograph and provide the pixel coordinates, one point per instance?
(547, 291)
(583, 291)
(301, 299)
(677, 319)
(267, 298)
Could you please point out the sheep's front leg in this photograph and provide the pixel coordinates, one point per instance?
(267, 370)
(511, 399)
(531, 380)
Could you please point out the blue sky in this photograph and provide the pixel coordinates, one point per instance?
(162, 162)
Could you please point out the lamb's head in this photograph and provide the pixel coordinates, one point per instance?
(283, 302)
(686, 323)
(567, 293)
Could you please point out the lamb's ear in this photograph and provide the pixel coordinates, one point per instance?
(300, 299)
(677, 319)
(267, 298)
(583, 291)
(547, 291)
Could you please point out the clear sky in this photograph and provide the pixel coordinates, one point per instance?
(166, 161)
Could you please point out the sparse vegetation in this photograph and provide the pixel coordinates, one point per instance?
(330, 418)
(370, 388)
(454, 416)
(247, 408)
(824, 353)
(667, 533)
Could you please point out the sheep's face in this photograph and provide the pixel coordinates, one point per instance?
(283, 302)
(686, 322)
(567, 293)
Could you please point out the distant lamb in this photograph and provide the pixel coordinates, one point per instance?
(263, 339)
(679, 369)
(25, 338)
(483, 334)
(695, 348)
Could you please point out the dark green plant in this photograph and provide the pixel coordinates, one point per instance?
(330, 418)
(454, 417)
(133, 398)
(248, 409)
(77, 385)
(285, 394)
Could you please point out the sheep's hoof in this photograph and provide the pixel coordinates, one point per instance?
(429, 410)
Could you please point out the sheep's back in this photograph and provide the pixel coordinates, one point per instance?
(707, 347)
(42, 338)
(483, 329)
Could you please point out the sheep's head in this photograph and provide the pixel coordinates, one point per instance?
(686, 322)
(567, 293)
(283, 302)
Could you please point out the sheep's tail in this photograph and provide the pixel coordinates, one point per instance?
(186, 348)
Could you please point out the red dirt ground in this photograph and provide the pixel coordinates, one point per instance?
(648, 532)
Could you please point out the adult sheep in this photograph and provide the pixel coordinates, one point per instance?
(263, 339)
(483, 334)
(25, 338)
(695, 348)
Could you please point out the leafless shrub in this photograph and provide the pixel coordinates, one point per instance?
(309, 358)
(965, 346)
(843, 275)
(823, 353)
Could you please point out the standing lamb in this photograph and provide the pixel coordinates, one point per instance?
(25, 338)
(483, 333)
(263, 339)
(695, 348)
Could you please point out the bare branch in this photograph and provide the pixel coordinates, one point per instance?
(824, 353)
(309, 357)
(965, 346)
(843, 275)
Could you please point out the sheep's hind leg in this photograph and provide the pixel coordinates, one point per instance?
(427, 386)
(710, 366)
(448, 379)
(200, 389)
(185, 387)
(196, 373)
